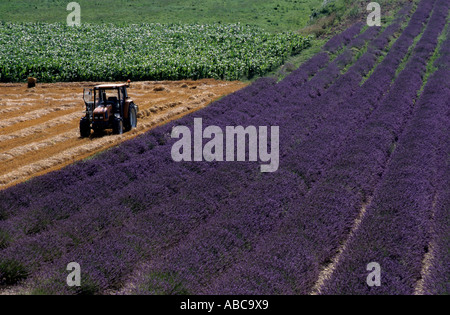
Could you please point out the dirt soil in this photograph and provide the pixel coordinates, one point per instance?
(39, 127)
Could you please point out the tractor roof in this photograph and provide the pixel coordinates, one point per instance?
(110, 86)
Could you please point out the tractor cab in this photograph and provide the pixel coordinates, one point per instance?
(108, 106)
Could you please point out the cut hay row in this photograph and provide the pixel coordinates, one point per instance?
(12, 109)
(36, 114)
(38, 129)
(7, 110)
(34, 146)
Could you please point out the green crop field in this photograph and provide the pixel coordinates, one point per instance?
(57, 52)
(272, 15)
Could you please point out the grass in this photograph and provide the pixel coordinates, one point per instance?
(296, 61)
(431, 66)
(272, 15)
(408, 56)
(5, 238)
(337, 15)
(12, 272)
(310, 16)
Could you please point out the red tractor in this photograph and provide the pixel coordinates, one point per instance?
(108, 107)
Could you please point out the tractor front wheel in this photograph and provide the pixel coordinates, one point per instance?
(118, 126)
(132, 118)
(85, 128)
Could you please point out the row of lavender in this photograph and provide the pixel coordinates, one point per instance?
(31, 239)
(341, 40)
(437, 275)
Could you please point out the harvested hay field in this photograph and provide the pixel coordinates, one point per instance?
(39, 126)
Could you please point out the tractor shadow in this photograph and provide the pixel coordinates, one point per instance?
(99, 134)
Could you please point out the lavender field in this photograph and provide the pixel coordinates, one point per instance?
(363, 177)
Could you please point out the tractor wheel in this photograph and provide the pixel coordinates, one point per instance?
(132, 118)
(118, 126)
(85, 128)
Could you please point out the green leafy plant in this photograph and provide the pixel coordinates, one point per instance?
(56, 52)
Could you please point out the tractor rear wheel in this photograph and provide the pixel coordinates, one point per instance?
(118, 126)
(85, 128)
(132, 118)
